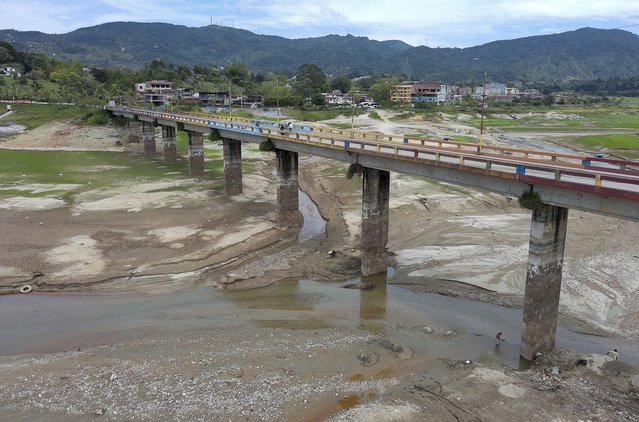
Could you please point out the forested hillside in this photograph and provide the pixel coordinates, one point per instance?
(584, 54)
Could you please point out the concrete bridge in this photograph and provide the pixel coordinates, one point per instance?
(552, 182)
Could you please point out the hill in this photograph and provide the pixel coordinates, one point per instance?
(583, 54)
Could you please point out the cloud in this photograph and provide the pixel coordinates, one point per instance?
(434, 23)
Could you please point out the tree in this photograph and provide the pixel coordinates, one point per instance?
(342, 82)
(380, 91)
(237, 72)
(309, 79)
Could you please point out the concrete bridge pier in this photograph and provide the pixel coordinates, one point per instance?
(232, 151)
(288, 214)
(168, 140)
(374, 233)
(196, 153)
(134, 131)
(543, 280)
(148, 136)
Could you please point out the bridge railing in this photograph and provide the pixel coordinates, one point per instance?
(617, 177)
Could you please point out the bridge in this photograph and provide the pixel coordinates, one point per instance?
(552, 182)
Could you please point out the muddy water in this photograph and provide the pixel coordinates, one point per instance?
(38, 323)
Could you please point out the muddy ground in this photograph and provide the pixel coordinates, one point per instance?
(444, 239)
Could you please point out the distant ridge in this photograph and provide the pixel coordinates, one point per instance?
(583, 54)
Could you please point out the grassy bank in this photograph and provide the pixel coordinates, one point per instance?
(615, 141)
(35, 115)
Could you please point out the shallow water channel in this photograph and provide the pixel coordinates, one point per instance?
(438, 325)
(41, 323)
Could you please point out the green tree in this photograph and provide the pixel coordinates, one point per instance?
(237, 72)
(342, 82)
(380, 91)
(310, 79)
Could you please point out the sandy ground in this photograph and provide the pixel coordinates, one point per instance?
(156, 242)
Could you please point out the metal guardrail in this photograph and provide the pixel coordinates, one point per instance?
(610, 177)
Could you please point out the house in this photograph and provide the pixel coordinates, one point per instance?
(413, 92)
(213, 99)
(155, 92)
(336, 97)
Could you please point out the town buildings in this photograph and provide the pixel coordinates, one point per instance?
(414, 92)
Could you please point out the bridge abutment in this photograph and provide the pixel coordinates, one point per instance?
(148, 137)
(543, 280)
(196, 153)
(288, 214)
(169, 144)
(374, 233)
(232, 151)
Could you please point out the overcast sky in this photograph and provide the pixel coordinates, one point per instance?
(441, 23)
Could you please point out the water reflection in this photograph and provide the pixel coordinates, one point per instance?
(372, 302)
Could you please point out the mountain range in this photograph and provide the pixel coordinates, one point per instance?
(583, 54)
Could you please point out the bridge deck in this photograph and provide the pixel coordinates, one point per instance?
(606, 186)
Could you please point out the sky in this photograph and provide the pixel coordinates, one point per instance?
(432, 23)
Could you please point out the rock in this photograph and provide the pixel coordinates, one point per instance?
(364, 357)
(118, 143)
(113, 377)
(397, 348)
(100, 412)
(427, 330)
(331, 253)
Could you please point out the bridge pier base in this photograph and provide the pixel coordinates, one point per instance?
(196, 153)
(232, 151)
(135, 131)
(288, 214)
(543, 280)
(148, 136)
(168, 140)
(374, 233)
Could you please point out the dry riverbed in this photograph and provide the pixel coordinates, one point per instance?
(170, 235)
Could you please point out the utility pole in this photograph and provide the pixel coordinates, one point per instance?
(352, 114)
(483, 106)
(277, 100)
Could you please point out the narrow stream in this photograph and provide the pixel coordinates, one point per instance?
(461, 329)
(44, 323)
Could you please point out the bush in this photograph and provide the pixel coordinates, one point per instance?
(267, 146)
(532, 201)
(97, 117)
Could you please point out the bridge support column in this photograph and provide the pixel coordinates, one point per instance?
(168, 140)
(288, 214)
(148, 136)
(196, 153)
(374, 234)
(543, 280)
(135, 131)
(232, 150)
